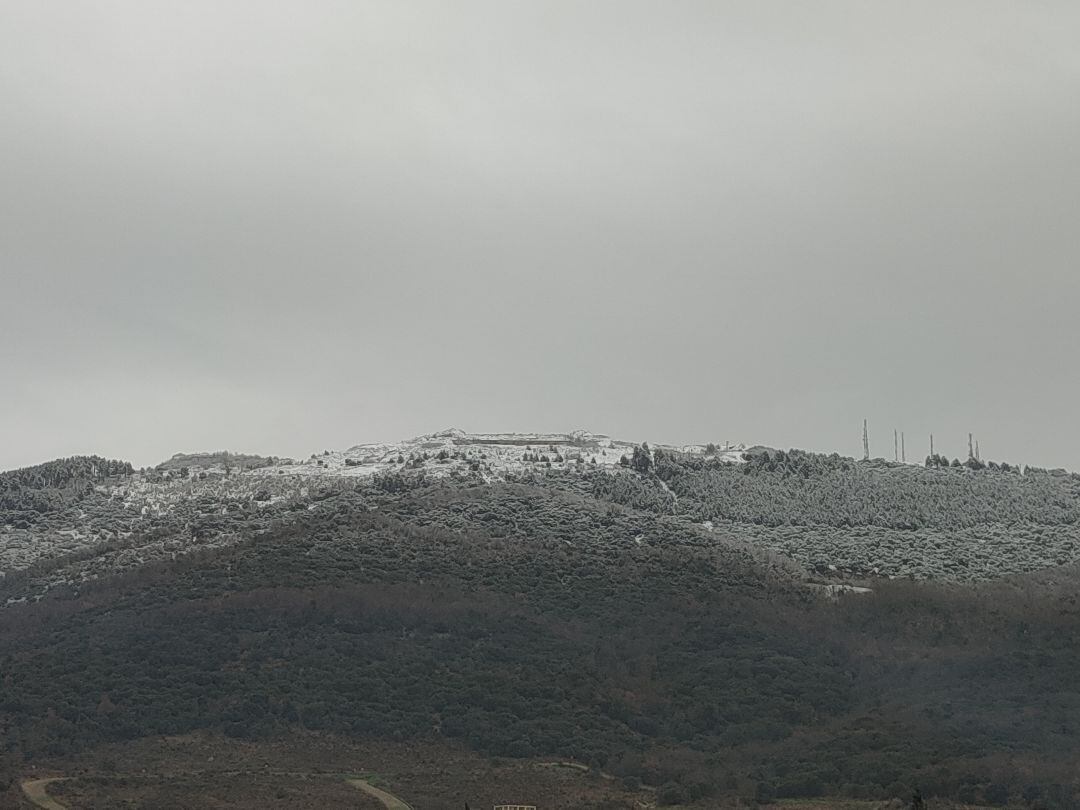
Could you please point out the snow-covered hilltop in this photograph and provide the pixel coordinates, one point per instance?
(73, 520)
(196, 501)
(494, 454)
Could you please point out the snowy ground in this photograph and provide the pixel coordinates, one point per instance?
(495, 454)
(202, 500)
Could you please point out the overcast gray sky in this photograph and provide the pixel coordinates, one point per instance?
(281, 226)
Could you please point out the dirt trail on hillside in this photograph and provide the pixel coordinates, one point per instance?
(35, 790)
(390, 801)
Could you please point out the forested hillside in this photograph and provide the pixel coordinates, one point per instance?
(528, 620)
(221, 459)
(44, 487)
(861, 519)
(798, 488)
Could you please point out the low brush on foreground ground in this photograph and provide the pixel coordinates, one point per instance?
(308, 771)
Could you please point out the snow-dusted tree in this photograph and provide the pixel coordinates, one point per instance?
(641, 461)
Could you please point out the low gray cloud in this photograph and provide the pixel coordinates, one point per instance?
(282, 227)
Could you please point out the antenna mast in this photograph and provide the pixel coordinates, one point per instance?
(895, 446)
(865, 442)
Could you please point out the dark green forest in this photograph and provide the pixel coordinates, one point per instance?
(553, 618)
(49, 486)
(865, 518)
(777, 488)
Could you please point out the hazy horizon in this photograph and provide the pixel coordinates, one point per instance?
(280, 229)
(916, 451)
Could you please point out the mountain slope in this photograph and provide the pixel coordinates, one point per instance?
(634, 618)
(532, 621)
(841, 519)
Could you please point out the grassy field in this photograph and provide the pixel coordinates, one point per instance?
(310, 770)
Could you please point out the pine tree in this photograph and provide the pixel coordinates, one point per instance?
(641, 460)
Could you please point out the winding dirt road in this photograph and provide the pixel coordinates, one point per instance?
(390, 801)
(36, 792)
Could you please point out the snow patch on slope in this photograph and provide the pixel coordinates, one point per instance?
(494, 454)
